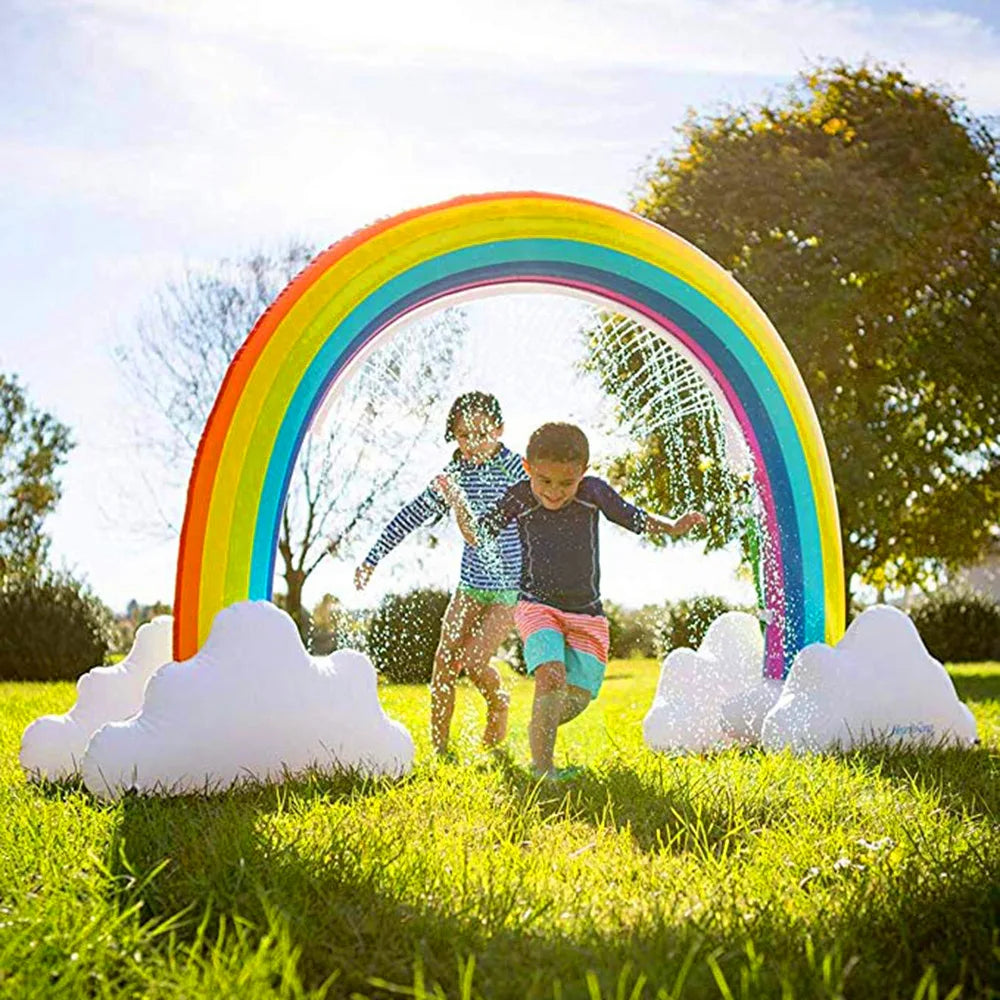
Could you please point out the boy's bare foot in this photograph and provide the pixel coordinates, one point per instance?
(569, 773)
(496, 720)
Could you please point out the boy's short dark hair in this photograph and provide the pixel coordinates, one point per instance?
(468, 404)
(558, 443)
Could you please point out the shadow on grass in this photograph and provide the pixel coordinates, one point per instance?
(971, 686)
(370, 913)
(967, 779)
(949, 920)
(351, 914)
(664, 807)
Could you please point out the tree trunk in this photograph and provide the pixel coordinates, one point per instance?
(294, 582)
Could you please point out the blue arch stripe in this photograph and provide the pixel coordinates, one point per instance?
(659, 291)
(791, 556)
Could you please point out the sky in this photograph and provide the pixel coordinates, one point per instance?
(138, 139)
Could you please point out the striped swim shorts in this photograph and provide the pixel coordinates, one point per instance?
(578, 641)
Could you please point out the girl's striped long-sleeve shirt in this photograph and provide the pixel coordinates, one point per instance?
(494, 567)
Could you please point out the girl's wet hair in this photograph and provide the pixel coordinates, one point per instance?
(559, 443)
(473, 404)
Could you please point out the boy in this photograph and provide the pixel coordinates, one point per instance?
(559, 614)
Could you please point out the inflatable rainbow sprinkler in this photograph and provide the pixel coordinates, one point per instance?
(485, 245)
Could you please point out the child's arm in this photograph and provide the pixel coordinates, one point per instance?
(656, 525)
(486, 528)
(455, 497)
(417, 512)
(615, 508)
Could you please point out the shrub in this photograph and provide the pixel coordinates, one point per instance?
(332, 627)
(633, 632)
(403, 635)
(52, 627)
(685, 622)
(958, 626)
(136, 614)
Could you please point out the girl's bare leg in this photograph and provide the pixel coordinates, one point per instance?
(487, 633)
(459, 618)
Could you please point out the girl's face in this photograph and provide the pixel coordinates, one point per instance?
(477, 437)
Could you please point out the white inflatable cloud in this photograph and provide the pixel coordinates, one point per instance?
(52, 746)
(743, 715)
(878, 684)
(251, 704)
(686, 714)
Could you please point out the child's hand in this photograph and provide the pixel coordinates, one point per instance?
(692, 519)
(447, 487)
(362, 575)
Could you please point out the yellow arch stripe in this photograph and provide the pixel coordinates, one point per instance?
(351, 278)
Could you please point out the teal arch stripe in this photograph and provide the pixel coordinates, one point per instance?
(716, 334)
(340, 347)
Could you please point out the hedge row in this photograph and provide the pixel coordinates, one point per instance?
(404, 631)
(52, 627)
(959, 626)
(402, 634)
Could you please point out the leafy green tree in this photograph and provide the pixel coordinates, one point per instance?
(136, 614)
(674, 463)
(404, 632)
(33, 444)
(861, 211)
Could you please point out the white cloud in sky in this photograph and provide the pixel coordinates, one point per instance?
(272, 108)
(749, 36)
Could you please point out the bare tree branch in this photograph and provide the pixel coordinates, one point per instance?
(178, 358)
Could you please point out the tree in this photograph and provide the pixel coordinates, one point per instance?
(861, 212)
(136, 614)
(184, 344)
(33, 444)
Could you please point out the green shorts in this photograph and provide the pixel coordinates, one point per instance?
(508, 598)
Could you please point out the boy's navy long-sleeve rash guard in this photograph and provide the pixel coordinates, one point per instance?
(560, 556)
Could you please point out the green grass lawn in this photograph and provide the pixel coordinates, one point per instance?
(742, 874)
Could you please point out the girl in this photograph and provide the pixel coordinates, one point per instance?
(480, 613)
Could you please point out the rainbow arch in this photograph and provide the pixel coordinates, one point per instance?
(360, 286)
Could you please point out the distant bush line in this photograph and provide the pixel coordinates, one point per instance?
(402, 633)
(52, 627)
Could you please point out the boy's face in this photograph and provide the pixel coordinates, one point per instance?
(554, 483)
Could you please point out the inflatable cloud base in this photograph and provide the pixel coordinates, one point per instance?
(686, 715)
(53, 746)
(878, 685)
(251, 705)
